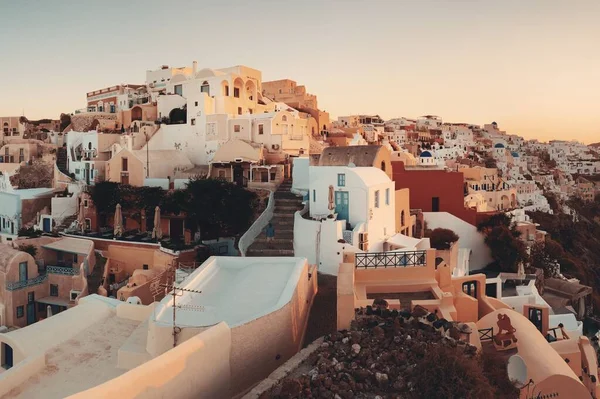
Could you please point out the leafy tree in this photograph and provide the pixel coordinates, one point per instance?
(506, 248)
(547, 256)
(442, 238)
(28, 248)
(490, 162)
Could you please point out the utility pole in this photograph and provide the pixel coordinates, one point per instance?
(147, 155)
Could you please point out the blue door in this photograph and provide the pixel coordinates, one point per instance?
(30, 313)
(23, 271)
(46, 226)
(342, 206)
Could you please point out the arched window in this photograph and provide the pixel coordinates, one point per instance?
(89, 146)
(383, 165)
(205, 88)
(284, 118)
(402, 217)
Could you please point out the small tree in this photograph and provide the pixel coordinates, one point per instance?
(442, 238)
(447, 373)
(28, 248)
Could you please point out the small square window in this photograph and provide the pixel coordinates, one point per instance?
(193, 121)
(341, 179)
(85, 203)
(236, 128)
(20, 312)
(261, 129)
(377, 199)
(145, 267)
(53, 289)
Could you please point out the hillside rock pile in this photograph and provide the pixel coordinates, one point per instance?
(375, 359)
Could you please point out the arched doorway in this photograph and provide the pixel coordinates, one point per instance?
(178, 116)
(6, 356)
(136, 114)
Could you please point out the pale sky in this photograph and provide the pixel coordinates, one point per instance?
(532, 66)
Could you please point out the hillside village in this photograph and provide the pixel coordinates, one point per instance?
(231, 232)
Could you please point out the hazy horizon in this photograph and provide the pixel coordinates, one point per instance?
(533, 66)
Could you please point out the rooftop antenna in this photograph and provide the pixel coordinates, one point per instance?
(174, 291)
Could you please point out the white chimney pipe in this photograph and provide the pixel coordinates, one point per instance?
(195, 67)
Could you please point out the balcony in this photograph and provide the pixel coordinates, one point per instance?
(374, 260)
(62, 270)
(17, 285)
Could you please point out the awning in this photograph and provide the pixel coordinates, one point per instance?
(53, 300)
(70, 245)
(400, 240)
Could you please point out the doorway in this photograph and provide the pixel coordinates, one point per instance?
(7, 356)
(176, 229)
(435, 204)
(47, 225)
(238, 174)
(535, 317)
(342, 205)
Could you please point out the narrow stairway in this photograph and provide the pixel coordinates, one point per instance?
(286, 204)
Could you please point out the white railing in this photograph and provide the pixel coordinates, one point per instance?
(257, 227)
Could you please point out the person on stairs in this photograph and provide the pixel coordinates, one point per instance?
(270, 232)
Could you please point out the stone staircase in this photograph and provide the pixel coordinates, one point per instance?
(61, 160)
(286, 204)
(66, 223)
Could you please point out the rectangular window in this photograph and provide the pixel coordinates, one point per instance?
(314, 195)
(377, 199)
(239, 110)
(145, 267)
(250, 111)
(261, 129)
(124, 164)
(85, 203)
(196, 103)
(20, 311)
(30, 297)
(221, 174)
(21, 155)
(88, 224)
(387, 196)
(236, 92)
(193, 121)
(53, 289)
(341, 179)
(178, 89)
(236, 128)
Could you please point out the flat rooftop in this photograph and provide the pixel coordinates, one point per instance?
(234, 290)
(82, 362)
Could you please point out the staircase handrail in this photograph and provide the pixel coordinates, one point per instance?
(258, 226)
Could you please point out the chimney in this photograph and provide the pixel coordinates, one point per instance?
(195, 67)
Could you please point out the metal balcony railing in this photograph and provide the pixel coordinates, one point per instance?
(17, 285)
(374, 260)
(65, 271)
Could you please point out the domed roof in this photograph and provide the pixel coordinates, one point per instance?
(425, 154)
(499, 145)
(515, 154)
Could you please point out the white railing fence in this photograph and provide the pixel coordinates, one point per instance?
(257, 227)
